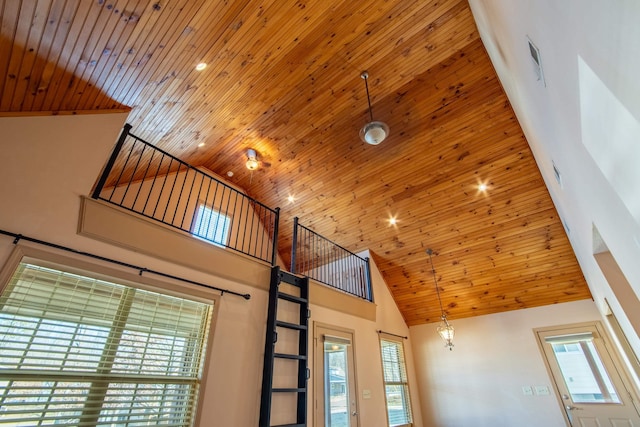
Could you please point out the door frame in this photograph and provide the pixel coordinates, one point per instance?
(612, 352)
(318, 369)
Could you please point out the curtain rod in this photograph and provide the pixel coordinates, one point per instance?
(389, 333)
(18, 237)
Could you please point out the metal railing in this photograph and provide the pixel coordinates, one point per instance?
(321, 259)
(144, 179)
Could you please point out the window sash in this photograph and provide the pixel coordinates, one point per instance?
(90, 352)
(396, 384)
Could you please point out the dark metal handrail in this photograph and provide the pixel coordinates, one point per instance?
(321, 259)
(144, 179)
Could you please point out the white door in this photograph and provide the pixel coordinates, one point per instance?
(335, 397)
(593, 390)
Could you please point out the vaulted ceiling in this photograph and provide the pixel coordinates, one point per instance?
(283, 78)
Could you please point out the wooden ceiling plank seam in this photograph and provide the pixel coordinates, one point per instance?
(31, 49)
(200, 118)
(36, 82)
(528, 200)
(114, 52)
(10, 11)
(128, 50)
(100, 34)
(218, 99)
(157, 70)
(24, 15)
(47, 76)
(70, 54)
(198, 20)
(117, 24)
(505, 271)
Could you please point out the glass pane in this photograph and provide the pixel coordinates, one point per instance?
(397, 395)
(336, 392)
(583, 372)
(211, 225)
(395, 378)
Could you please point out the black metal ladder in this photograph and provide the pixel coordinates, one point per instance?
(297, 304)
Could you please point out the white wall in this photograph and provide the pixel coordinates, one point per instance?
(586, 121)
(50, 162)
(479, 383)
(367, 351)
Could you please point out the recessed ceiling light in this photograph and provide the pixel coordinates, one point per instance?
(201, 66)
(393, 220)
(482, 187)
(291, 199)
(229, 174)
(201, 144)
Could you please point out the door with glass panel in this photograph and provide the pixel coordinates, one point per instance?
(335, 397)
(589, 380)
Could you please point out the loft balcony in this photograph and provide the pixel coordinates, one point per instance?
(153, 202)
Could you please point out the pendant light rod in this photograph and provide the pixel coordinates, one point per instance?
(365, 76)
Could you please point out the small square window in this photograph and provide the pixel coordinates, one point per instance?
(211, 225)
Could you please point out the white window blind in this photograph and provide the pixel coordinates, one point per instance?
(79, 351)
(395, 383)
(211, 225)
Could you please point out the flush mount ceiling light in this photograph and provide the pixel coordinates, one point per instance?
(252, 160)
(373, 132)
(445, 329)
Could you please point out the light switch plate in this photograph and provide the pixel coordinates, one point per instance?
(366, 394)
(527, 390)
(542, 390)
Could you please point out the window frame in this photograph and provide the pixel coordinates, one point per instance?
(226, 233)
(122, 275)
(407, 404)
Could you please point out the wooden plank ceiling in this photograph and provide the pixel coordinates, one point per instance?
(283, 78)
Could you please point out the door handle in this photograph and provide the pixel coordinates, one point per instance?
(354, 413)
(572, 408)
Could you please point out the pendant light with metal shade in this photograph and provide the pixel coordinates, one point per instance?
(373, 132)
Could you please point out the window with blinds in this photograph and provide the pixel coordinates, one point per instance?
(211, 225)
(79, 351)
(396, 386)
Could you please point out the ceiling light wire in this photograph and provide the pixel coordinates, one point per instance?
(445, 329)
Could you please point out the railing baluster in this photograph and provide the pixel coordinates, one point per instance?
(153, 183)
(184, 181)
(112, 160)
(327, 262)
(260, 223)
(144, 177)
(186, 206)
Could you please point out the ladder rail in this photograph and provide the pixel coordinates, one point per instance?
(270, 355)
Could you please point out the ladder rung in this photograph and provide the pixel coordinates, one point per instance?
(290, 356)
(292, 279)
(291, 325)
(292, 298)
(289, 390)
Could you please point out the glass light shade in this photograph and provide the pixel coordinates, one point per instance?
(446, 332)
(252, 160)
(374, 132)
(252, 164)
